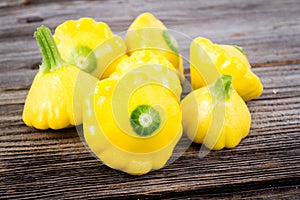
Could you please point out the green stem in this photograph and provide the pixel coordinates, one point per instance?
(145, 120)
(171, 42)
(240, 49)
(51, 57)
(222, 87)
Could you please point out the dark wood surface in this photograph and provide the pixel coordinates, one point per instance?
(55, 164)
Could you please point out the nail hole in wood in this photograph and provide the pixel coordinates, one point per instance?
(30, 19)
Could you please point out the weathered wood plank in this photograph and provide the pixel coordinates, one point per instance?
(281, 87)
(205, 19)
(12, 3)
(277, 80)
(61, 178)
(274, 192)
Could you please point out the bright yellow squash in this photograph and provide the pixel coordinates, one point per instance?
(54, 99)
(208, 61)
(90, 45)
(132, 124)
(147, 32)
(146, 58)
(216, 115)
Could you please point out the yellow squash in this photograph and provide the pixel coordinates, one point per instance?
(133, 121)
(208, 61)
(90, 45)
(51, 101)
(160, 63)
(216, 115)
(147, 32)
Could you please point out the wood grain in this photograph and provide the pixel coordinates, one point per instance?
(56, 165)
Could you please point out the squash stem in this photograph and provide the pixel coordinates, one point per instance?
(145, 120)
(51, 57)
(240, 49)
(222, 87)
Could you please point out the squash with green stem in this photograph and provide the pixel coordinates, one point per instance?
(52, 101)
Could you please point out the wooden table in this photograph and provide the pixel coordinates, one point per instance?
(55, 164)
